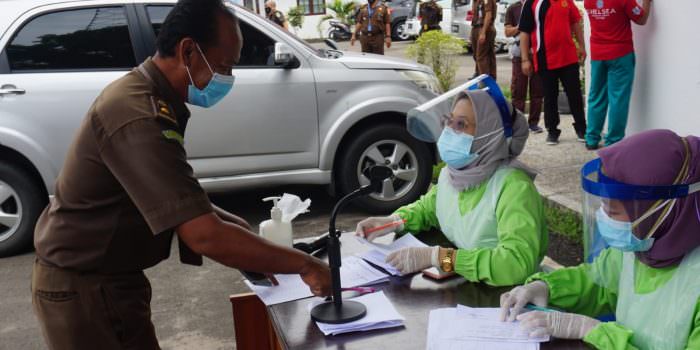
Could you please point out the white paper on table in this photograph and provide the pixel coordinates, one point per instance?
(380, 314)
(354, 272)
(476, 328)
(378, 252)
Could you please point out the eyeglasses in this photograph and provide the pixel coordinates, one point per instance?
(458, 125)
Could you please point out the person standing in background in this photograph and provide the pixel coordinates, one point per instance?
(546, 27)
(519, 81)
(431, 16)
(274, 15)
(374, 24)
(483, 36)
(612, 65)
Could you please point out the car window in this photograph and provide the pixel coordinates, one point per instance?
(89, 38)
(157, 15)
(258, 49)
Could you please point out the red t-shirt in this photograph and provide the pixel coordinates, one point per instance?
(549, 24)
(611, 30)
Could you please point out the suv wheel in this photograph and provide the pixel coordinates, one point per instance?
(21, 203)
(390, 145)
(399, 31)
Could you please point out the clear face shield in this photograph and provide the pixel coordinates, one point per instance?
(623, 216)
(427, 121)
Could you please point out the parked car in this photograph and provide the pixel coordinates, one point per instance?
(400, 10)
(413, 25)
(305, 116)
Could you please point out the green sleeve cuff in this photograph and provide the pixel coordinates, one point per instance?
(466, 265)
(420, 215)
(610, 335)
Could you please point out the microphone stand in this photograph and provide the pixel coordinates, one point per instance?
(337, 311)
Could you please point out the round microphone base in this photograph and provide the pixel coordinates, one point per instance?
(348, 311)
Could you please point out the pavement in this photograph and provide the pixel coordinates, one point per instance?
(190, 305)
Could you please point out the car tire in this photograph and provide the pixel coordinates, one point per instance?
(21, 203)
(412, 168)
(398, 31)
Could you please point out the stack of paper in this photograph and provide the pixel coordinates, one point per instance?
(476, 328)
(380, 314)
(377, 253)
(354, 272)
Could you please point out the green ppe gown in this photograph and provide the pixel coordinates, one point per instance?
(519, 227)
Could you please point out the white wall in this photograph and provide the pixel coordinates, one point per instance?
(666, 92)
(308, 29)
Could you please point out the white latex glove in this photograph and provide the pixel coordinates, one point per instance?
(373, 222)
(556, 324)
(513, 302)
(414, 259)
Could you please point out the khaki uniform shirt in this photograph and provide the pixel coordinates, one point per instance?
(480, 8)
(277, 17)
(431, 15)
(125, 184)
(378, 21)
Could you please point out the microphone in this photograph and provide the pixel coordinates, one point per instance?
(336, 311)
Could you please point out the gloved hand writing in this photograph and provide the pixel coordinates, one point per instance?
(410, 260)
(556, 324)
(371, 223)
(513, 302)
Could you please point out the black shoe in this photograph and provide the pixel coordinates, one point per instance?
(592, 147)
(535, 129)
(581, 136)
(552, 139)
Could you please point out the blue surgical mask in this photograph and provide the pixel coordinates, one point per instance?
(618, 234)
(217, 88)
(455, 148)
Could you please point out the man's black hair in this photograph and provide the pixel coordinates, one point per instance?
(196, 19)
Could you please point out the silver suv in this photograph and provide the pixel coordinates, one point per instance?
(297, 115)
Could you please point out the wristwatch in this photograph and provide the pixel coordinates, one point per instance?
(446, 262)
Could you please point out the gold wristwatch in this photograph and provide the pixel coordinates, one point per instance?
(446, 262)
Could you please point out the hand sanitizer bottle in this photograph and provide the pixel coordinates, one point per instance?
(276, 230)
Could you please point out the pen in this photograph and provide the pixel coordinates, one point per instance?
(379, 228)
(534, 307)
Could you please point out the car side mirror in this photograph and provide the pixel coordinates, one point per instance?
(284, 56)
(331, 43)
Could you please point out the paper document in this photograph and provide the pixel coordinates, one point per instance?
(380, 314)
(476, 328)
(354, 272)
(377, 252)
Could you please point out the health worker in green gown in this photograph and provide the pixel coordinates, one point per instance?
(485, 201)
(642, 233)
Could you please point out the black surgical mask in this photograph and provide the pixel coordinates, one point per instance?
(268, 10)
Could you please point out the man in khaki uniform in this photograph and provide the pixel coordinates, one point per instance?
(431, 16)
(126, 190)
(374, 25)
(275, 15)
(483, 36)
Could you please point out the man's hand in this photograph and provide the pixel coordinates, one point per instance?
(352, 40)
(317, 276)
(388, 42)
(482, 37)
(581, 54)
(526, 66)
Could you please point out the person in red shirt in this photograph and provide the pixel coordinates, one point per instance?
(546, 27)
(612, 65)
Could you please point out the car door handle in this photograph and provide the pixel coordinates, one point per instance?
(11, 90)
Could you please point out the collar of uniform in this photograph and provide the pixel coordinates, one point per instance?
(164, 89)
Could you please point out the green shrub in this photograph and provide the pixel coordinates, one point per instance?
(295, 16)
(440, 52)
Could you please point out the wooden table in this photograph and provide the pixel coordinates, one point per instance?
(412, 296)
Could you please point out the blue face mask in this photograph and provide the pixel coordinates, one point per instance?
(618, 234)
(218, 87)
(455, 148)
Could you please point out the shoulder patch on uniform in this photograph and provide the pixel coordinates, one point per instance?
(161, 109)
(174, 135)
